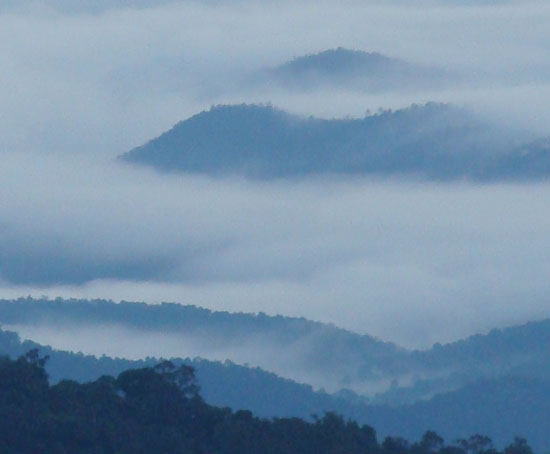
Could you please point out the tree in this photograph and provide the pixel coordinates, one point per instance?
(476, 444)
(431, 442)
(519, 446)
(182, 376)
(395, 445)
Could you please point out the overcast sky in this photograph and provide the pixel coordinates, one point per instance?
(406, 261)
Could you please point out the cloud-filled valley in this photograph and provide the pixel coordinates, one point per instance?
(346, 202)
(389, 257)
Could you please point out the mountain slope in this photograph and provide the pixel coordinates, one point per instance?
(315, 353)
(436, 141)
(223, 384)
(305, 351)
(499, 408)
(345, 68)
(530, 161)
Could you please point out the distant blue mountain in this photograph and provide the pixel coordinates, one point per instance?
(320, 354)
(225, 384)
(519, 351)
(500, 408)
(307, 351)
(530, 161)
(434, 141)
(354, 69)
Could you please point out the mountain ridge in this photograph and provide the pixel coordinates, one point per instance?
(360, 70)
(475, 408)
(434, 141)
(308, 352)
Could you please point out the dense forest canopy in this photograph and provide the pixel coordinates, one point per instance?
(434, 141)
(322, 355)
(159, 410)
(477, 384)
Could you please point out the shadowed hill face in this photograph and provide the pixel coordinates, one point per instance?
(526, 162)
(518, 351)
(364, 71)
(341, 61)
(306, 351)
(436, 141)
(221, 383)
(502, 408)
(320, 354)
(499, 408)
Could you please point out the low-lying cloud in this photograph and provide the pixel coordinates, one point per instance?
(405, 261)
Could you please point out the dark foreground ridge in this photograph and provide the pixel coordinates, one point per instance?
(497, 384)
(433, 141)
(159, 410)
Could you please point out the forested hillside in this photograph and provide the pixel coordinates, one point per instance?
(364, 71)
(158, 409)
(436, 141)
(222, 383)
(309, 352)
(320, 354)
(471, 385)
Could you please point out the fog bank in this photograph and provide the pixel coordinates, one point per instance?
(405, 261)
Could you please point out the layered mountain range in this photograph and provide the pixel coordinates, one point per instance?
(455, 389)
(354, 70)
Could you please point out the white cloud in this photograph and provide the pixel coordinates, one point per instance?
(409, 262)
(405, 261)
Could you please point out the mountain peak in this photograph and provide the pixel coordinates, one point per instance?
(338, 60)
(261, 141)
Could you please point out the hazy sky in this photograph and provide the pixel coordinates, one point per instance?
(406, 261)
